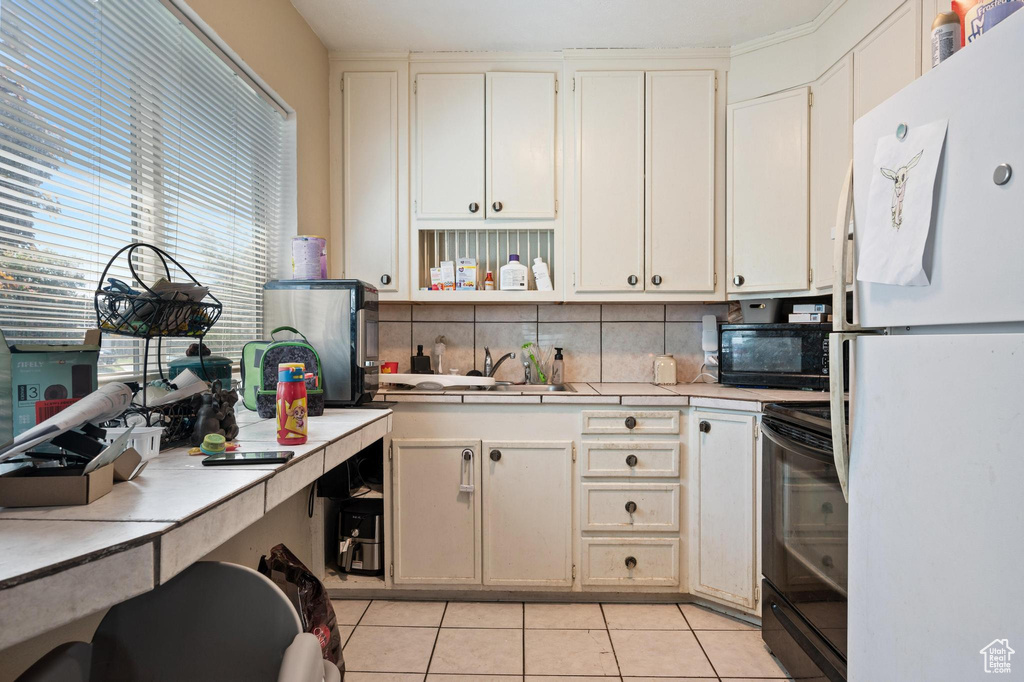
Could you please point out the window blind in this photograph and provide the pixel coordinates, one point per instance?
(119, 125)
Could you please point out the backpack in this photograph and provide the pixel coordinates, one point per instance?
(259, 372)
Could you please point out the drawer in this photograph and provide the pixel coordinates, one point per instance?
(606, 561)
(632, 459)
(631, 421)
(605, 507)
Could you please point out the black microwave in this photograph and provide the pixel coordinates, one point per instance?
(775, 355)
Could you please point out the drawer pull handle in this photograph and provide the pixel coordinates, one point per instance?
(705, 427)
(631, 460)
(630, 562)
(630, 423)
(631, 506)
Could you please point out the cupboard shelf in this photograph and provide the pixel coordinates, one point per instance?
(483, 297)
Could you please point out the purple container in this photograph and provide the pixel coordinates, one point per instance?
(309, 257)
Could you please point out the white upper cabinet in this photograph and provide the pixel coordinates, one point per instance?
(888, 59)
(680, 181)
(370, 161)
(610, 181)
(767, 190)
(520, 145)
(450, 146)
(831, 151)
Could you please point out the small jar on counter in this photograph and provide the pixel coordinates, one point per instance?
(665, 370)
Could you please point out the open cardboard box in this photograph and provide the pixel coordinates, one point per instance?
(30, 486)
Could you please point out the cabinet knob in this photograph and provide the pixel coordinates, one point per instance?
(656, 280)
(631, 506)
(705, 427)
(632, 280)
(827, 561)
(738, 280)
(630, 423)
(631, 460)
(467, 454)
(385, 279)
(631, 562)
(495, 455)
(497, 206)
(474, 207)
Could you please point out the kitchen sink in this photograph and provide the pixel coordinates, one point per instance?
(532, 388)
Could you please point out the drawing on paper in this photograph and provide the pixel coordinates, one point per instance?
(899, 179)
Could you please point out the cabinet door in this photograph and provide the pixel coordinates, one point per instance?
(724, 564)
(520, 145)
(679, 223)
(527, 511)
(831, 151)
(370, 177)
(887, 60)
(450, 146)
(767, 190)
(436, 523)
(610, 181)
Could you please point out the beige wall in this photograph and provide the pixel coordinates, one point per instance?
(273, 39)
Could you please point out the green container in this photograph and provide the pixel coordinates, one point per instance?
(217, 367)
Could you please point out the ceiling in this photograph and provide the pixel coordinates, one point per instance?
(539, 25)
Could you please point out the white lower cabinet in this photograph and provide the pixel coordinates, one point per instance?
(527, 512)
(436, 499)
(723, 523)
(627, 562)
(496, 513)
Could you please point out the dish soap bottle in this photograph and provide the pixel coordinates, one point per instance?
(512, 277)
(420, 362)
(541, 275)
(557, 368)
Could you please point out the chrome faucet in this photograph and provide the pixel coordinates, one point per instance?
(491, 367)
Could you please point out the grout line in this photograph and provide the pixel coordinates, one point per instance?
(611, 644)
(701, 645)
(437, 635)
(523, 613)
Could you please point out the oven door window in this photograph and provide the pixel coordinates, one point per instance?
(806, 533)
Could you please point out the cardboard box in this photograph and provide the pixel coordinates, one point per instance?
(38, 373)
(28, 486)
(32, 487)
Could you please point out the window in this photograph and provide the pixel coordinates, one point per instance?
(118, 124)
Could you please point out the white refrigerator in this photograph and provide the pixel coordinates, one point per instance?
(936, 435)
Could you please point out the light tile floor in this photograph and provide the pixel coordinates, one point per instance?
(409, 641)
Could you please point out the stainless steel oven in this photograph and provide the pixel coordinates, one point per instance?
(804, 543)
(339, 318)
(774, 355)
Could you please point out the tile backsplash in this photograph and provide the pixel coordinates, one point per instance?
(601, 342)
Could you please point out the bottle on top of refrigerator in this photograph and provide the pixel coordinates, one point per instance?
(945, 36)
(541, 275)
(512, 277)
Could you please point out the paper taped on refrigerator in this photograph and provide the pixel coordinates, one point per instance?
(894, 232)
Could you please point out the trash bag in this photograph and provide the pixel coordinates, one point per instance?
(310, 598)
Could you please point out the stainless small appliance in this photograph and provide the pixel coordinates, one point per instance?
(339, 318)
(805, 540)
(361, 537)
(775, 355)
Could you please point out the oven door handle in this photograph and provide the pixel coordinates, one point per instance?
(798, 448)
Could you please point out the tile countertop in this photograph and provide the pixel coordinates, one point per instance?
(630, 394)
(58, 564)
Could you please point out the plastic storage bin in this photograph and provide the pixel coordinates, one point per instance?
(145, 439)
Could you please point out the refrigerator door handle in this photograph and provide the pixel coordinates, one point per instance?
(837, 399)
(844, 213)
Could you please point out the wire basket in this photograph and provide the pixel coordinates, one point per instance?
(125, 310)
